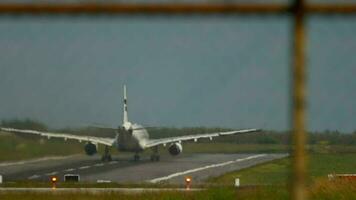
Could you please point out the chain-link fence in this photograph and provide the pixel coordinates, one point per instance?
(297, 10)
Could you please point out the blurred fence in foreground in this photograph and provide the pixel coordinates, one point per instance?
(298, 10)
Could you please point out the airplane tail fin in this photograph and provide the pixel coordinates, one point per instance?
(125, 118)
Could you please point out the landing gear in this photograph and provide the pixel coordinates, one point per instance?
(106, 156)
(155, 156)
(136, 157)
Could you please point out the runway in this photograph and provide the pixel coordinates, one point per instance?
(124, 170)
(97, 190)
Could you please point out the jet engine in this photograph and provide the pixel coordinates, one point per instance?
(175, 149)
(90, 149)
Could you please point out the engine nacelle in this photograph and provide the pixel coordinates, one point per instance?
(175, 149)
(90, 149)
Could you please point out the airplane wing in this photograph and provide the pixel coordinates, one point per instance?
(95, 140)
(164, 141)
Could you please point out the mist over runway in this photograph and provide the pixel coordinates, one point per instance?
(124, 170)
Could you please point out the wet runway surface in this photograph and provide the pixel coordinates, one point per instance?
(124, 170)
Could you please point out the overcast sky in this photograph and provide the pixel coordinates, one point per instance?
(201, 71)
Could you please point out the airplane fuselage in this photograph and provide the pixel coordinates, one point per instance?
(133, 139)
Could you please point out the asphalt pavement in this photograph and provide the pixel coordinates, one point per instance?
(124, 170)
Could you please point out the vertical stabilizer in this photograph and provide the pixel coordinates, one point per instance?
(125, 118)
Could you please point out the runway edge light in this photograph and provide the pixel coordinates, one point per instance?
(54, 180)
(188, 182)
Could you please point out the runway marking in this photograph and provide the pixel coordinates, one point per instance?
(69, 170)
(84, 167)
(34, 176)
(52, 173)
(113, 162)
(156, 180)
(99, 165)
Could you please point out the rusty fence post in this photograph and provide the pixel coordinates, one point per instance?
(298, 190)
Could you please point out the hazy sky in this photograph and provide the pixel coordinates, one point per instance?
(201, 71)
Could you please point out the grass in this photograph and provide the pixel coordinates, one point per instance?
(14, 147)
(216, 194)
(277, 172)
(321, 189)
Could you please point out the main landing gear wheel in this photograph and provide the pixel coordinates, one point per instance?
(106, 156)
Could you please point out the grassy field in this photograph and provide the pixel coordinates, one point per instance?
(13, 147)
(277, 172)
(320, 190)
(219, 193)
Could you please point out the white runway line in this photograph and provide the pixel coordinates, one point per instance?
(99, 165)
(34, 176)
(69, 170)
(84, 167)
(52, 173)
(156, 180)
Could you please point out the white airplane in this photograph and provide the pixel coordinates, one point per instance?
(130, 137)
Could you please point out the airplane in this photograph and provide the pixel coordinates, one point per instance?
(130, 137)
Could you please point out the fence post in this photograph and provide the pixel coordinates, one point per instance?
(298, 190)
